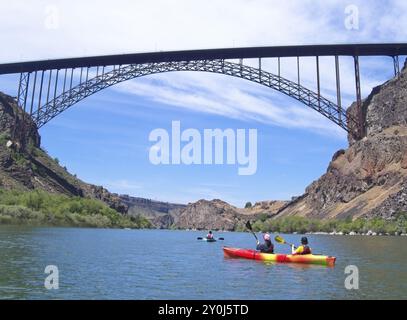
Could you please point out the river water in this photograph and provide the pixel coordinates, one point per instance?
(163, 264)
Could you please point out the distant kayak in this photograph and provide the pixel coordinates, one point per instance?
(209, 240)
(284, 258)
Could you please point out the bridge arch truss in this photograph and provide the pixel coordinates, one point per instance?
(43, 113)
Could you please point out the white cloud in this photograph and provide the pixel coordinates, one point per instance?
(102, 26)
(234, 98)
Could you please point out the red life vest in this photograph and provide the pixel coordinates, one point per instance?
(306, 250)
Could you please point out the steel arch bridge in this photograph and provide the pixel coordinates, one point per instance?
(72, 96)
(64, 87)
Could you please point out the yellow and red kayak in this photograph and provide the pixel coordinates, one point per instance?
(284, 258)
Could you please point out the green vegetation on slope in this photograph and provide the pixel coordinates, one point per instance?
(303, 225)
(42, 208)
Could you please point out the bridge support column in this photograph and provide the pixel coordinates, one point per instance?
(279, 72)
(23, 89)
(33, 93)
(40, 95)
(55, 88)
(358, 98)
(63, 88)
(49, 85)
(318, 83)
(298, 77)
(22, 97)
(71, 80)
(396, 64)
(338, 88)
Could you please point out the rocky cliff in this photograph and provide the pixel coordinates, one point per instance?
(219, 215)
(160, 214)
(204, 214)
(267, 207)
(25, 166)
(370, 177)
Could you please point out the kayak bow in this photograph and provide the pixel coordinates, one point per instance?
(284, 258)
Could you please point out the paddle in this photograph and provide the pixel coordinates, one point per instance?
(200, 238)
(281, 240)
(249, 226)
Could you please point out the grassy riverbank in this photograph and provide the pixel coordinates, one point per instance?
(360, 226)
(42, 208)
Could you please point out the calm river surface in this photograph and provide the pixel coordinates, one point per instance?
(156, 264)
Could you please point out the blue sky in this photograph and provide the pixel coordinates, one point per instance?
(104, 139)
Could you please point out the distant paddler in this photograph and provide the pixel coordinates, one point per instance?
(210, 237)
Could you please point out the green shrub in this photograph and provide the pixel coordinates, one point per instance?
(303, 225)
(4, 137)
(49, 209)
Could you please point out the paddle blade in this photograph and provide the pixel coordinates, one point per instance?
(248, 225)
(279, 239)
(199, 238)
(221, 238)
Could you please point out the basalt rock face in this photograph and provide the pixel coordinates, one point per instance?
(25, 166)
(385, 107)
(164, 221)
(219, 215)
(205, 215)
(161, 214)
(269, 208)
(13, 122)
(370, 177)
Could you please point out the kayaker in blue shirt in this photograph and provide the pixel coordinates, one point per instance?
(267, 246)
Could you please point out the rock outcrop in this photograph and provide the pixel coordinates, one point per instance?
(161, 214)
(267, 207)
(370, 177)
(205, 215)
(25, 166)
(219, 215)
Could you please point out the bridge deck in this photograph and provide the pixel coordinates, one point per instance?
(380, 49)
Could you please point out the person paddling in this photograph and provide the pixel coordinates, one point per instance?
(267, 246)
(209, 235)
(303, 248)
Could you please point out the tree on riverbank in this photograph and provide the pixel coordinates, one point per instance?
(303, 225)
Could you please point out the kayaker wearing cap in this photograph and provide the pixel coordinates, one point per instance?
(209, 235)
(303, 248)
(267, 246)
